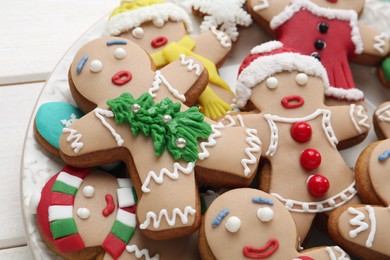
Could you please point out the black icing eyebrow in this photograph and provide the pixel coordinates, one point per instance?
(221, 215)
(116, 42)
(261, 200)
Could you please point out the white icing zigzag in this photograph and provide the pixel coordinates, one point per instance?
(191, 65)
(164, 171)
(222, 38)
(73, 135)
(99, 113)
(361, 225)
(164, 213)
(255, 144)
(158, 79)
(359, 113)
(380, 42)
(332, 255)
(264, 4)
(141, 253)
(386, 111)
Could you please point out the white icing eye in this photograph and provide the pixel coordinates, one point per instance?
(120, 53)
(265, 214)
(233, 224)
(96, 66)
(83, 213)
(271, 82)
(301, 79)
(158, 22)
(88, 191)
(138, 32)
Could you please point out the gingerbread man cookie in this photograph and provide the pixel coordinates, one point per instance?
(162, 30)
(110, 77)
(264, 230)
(381, 119)
(363, 229)
(299, 133)
(83, 214)
(329, 31)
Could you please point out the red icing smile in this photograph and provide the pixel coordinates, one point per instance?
(290, 102)
(110, 206)
(159, 42)
(332, 1)
(121, 77)
(262, 252)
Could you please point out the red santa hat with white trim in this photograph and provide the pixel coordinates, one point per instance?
(270, 58)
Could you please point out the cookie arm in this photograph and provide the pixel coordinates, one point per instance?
(376, 45)
(349, 122)
(329, 252)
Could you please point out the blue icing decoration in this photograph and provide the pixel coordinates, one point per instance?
(219, 218)
(48, 120)
(261, 200)
(81, 64)
(116, 42)
(384, 156)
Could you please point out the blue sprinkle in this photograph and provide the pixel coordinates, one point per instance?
(384, 155)
(116, 42)
(81, 64)
(219, 218)
(260, 200)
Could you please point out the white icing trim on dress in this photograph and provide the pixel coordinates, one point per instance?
(380, 42)
(326, 126)
(99, 113)
(159, 179)
(73, 135)
(320, 206)
(333, 256)
(352, 94)
(359, 113)
(386, 111)
(329, 13)
(254, 147)
(361, 225)
(191, 65)
(164, 213)
(141, 253)
(223, 38)
(266, 47)
(264, 4)
(158, 79)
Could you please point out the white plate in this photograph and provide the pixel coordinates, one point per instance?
(38, 165)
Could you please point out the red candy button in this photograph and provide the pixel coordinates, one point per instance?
(310, 159)
(318, 185)
(301, 132)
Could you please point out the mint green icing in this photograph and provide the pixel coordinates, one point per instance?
(149, 120)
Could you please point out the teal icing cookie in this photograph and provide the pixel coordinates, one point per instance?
(52, 117)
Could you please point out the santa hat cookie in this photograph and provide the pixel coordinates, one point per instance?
(131, 14)
(270, 58)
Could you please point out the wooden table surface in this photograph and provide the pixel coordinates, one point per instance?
(34, 37)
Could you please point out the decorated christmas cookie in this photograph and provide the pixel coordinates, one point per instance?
(299, 133)
(363, 229)
(50, 120)
(137, 117)
(382, 120)
(329, 31)
(263, 230)
(225, 15)
(86, 214)
(162, 30)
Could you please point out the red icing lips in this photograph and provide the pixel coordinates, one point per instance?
(262, 252)
(121, 77)
(332, 1)
(110, 206)
(290, 102)
(159, 42)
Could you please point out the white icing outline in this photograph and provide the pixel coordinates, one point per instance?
(326, 126)
(73, 135)
(191, 65)
(320, 206)
(158, 79)
(125, 21)
(333, 256)
(254, 147)
(159, 179)
(66, 123)
(264, 4)
(386, 111)
(141, 253)
(380, 42)
(99, 113)
(359, 113)
(362, 226)
(329, 13)
(223, 38)
(170, 221)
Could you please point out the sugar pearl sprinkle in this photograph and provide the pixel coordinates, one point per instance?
(233, 224)
(88, 191)
(96, 66)
(83, 213)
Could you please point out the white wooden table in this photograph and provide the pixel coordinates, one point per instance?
(34, 36)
